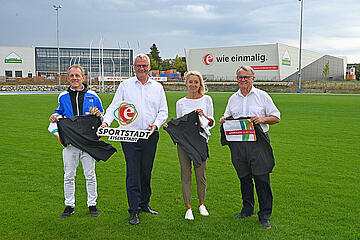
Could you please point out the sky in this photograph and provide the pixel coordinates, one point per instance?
(329, 26)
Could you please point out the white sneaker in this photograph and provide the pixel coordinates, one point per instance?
(203, 211)
(189, 215)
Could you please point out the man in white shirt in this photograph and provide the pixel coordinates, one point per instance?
(251, 102)
(149, 99)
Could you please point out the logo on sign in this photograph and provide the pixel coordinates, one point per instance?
(13, 58)
(286, 59)
(126, 113)
(239, 130)
(208, 59)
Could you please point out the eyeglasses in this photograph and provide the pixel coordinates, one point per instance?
(243, 77)
(142, 66)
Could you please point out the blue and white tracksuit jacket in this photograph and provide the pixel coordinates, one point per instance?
(73, 103)
(90, 99)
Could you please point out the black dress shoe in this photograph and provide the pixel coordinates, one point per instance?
(266, 224)
(149, 210)
(134, 218)
(94, 212)
(243, 214)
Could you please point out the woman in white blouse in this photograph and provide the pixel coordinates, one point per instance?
(202, 104)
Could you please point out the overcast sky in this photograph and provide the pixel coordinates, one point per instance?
(329, 27)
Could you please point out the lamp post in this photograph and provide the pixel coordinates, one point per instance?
(102, 65)
(120, 60)
(99, 75)
(90, 63)
(301, 21)
(129, 59)
(58, 41)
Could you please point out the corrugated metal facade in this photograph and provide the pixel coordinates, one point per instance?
(271, 62)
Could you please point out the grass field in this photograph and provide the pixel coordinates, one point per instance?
(315, 181)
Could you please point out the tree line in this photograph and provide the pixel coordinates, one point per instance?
(163, 65)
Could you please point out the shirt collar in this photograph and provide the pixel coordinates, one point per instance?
(253, 90)
(149, 81)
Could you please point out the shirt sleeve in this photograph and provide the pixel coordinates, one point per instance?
(162, 115)
(118, 98)
(227, 112)
(210, 110)
(60, 109)
(270, 108)
(178, 109)
(98, 103)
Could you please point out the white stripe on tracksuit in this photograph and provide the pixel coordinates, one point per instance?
(71, 156)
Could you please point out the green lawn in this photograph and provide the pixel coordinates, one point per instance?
(315, 181)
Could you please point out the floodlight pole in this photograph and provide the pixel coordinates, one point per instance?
(129, 59)
(99, 79)
(90, 64)
(301, 22)
(120, 59)
(58, 41)
(102, 65)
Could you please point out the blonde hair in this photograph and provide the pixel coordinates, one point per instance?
(198, 74)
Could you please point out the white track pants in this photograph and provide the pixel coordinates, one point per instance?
(71, 157)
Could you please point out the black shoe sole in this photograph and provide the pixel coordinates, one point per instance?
(65, 216)
(243, 216)
(266, 224)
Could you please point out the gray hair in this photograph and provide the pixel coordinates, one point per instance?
(76, 66)
(245, 68)
(142, 55)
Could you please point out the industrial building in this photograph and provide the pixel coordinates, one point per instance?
(22, 62)
(271, 62)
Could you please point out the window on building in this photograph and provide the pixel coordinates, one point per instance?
(29, 75)
(8, 73)
(18, 74)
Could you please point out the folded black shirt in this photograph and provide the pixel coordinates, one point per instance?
(80, 131)
(185, 131)
(257, 155)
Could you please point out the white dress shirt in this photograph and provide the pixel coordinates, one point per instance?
(256, 103)
(186, 105)
(149, 100)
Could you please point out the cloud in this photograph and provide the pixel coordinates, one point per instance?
(334, 43)
(178, 33)
(274, 13)
(330, 27)
(200, 11)
(98, 7)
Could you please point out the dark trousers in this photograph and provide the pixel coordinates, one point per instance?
(139, 159)
(264, 193)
